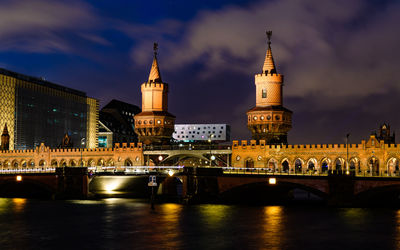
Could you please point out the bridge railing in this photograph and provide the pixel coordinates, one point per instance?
(186, 147)
(269, 171)
(135, 170)
(27, 170)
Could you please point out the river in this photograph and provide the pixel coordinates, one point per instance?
(131, 224)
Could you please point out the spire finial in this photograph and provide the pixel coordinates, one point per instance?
(155, 75)
(155, 48)
(269, 65)
(269, 34)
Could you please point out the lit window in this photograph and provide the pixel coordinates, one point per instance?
(264, 93)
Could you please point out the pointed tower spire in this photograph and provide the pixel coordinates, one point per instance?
(155, 75)
(5, 130)
(5, 139)
(269, 65)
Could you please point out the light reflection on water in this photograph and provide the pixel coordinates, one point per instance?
(397, 237)
(130, 223)
(273, 232)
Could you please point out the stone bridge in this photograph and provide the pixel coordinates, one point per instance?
(335, 189)
(65, 182)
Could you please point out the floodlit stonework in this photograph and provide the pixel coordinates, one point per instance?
(269, 120)
(154, 125)
(371, 157)
(43, 157)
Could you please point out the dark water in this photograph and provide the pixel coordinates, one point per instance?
(130, 224)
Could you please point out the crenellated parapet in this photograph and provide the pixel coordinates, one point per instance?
(270, 77)
(157, 86)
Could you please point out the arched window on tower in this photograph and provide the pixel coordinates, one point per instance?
(264, 93)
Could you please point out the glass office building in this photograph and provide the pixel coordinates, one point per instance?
(37, 111)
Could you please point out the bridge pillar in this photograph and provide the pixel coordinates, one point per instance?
(341, 190)
(72, 182)
(200, 184)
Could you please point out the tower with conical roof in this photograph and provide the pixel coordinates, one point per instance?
(5, 139)
(269, 120)
(154, 125)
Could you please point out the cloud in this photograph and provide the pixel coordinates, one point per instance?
(332, 54)
(43, 25)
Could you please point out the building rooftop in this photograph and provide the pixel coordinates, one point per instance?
(41, 81)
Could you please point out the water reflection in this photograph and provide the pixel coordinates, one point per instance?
(214, 215)
(354, 216)
(170, 220)
(397, 237)
(273, 228)
(19, 204)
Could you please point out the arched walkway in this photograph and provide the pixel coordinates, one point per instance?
(272, 165)
(298, 165)
(312, 165)
(285, 165)
(373, 165)
(325, 165)
(392, 167)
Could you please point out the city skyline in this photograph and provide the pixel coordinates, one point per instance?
(339, 63)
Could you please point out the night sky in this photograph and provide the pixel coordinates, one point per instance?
(340, 58)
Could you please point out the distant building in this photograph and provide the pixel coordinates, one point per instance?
(117, 124)
(37, 111)
(202, 132)
(384, 134)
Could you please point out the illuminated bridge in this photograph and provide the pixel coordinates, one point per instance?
(205, 184)
(188, 155)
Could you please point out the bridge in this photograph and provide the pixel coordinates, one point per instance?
(188, 155)
(204, 184)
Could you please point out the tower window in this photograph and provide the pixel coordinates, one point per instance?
(264, 93)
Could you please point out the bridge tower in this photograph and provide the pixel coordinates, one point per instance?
(269, 120)
(154, 125)
(5, 139)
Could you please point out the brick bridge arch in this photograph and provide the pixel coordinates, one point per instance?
(319, 187)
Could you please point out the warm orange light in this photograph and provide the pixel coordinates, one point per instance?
(19, 178)
(272, 181)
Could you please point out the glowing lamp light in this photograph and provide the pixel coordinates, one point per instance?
(212, 157)
(160, 158)
(19, 178)
(347, 172)
(170, 172)
(272, 181)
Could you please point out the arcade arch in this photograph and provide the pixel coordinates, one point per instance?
(298, 165)
(285, 166)
(312, 165)
(392, 166)
(272, 165)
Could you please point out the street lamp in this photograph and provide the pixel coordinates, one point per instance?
(210, 140)
(82, 144)
(347, 153)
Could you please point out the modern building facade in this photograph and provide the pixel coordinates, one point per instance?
(117, 124)
(154, 125)
(269, 120)
(202, 133)
(37, 111)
